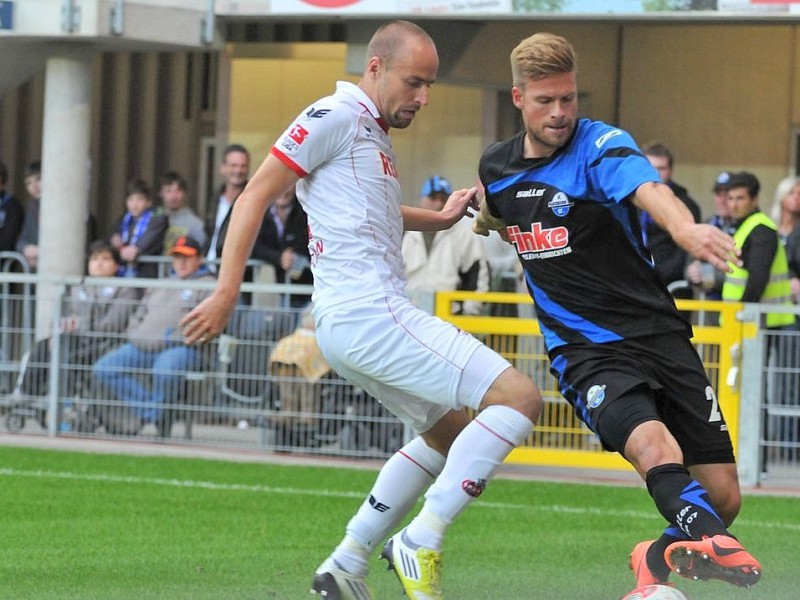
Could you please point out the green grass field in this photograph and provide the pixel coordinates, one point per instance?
(85, 526)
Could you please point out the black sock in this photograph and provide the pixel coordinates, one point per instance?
(683, 501)
(655, 554)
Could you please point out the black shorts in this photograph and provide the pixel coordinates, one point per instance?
(616, 386)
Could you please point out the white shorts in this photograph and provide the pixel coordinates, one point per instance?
(417, 365)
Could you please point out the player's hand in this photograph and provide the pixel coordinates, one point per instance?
(486, 222)
(711, 245)
(459, 204)
(207, 320)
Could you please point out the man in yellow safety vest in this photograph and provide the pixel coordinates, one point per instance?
(764, 277)
(764, 274)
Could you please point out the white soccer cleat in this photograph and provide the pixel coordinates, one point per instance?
(333, 583)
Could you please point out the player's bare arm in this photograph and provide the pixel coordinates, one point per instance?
(701, 240)
(209, 318)
(457, 206)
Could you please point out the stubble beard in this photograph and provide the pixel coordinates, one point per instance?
(550, 143)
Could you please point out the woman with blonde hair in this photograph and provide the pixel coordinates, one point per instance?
(786, 208)
(787, 205)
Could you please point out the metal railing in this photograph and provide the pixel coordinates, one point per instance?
(757, 389)
(248, 389)
(242, 396)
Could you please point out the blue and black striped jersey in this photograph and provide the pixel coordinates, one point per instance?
(571, 219)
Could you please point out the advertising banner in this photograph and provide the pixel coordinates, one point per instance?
(379, 8)
(464, 8)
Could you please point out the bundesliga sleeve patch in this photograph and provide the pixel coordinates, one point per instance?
(294, 138)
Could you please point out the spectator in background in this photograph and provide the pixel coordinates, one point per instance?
(94, 314)
(154, 340)
(764, 274)
(722, 219)
(234, 169)
(28, 242)
(183, 221)
(764, 278)
(670, 260)
(446, 260)
(12, 215)
(786, 213)
(298, 366)
(283, 243)
(140, 232)
(703, 275)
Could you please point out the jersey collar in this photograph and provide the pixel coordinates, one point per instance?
(364, 100)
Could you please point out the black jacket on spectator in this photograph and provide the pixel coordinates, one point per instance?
(12, 216)
(669, 258)
(269, 246)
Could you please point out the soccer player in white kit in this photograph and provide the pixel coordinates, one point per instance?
(426, 371)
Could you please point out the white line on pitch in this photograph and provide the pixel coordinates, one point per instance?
(266, 489)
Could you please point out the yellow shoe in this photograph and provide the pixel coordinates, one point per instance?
(418, 569)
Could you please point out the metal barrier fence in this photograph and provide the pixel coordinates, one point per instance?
(263, 385)
(758, 389)
(259, 386)
(16, 316)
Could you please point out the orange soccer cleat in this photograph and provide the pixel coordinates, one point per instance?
(638, 564)
(718, 557)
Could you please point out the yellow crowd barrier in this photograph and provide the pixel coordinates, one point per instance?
(559, 438)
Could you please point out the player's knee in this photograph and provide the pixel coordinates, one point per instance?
(441, 436)
(650, 444)
(515, 390)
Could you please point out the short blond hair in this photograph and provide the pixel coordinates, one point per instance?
(540, 55)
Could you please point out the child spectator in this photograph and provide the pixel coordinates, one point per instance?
(93, 315)
(140, 232)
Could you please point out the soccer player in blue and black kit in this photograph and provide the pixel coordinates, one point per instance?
(565, 193)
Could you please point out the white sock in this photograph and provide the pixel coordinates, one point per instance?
(397, 488)
(473, 458)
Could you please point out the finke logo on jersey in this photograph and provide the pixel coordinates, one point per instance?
(560, 204)
(595, 396)
(538, 239)
(607, 136)
(388, 165)
(531, 193)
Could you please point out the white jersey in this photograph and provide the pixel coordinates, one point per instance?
(341, 149)
(419, 366)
